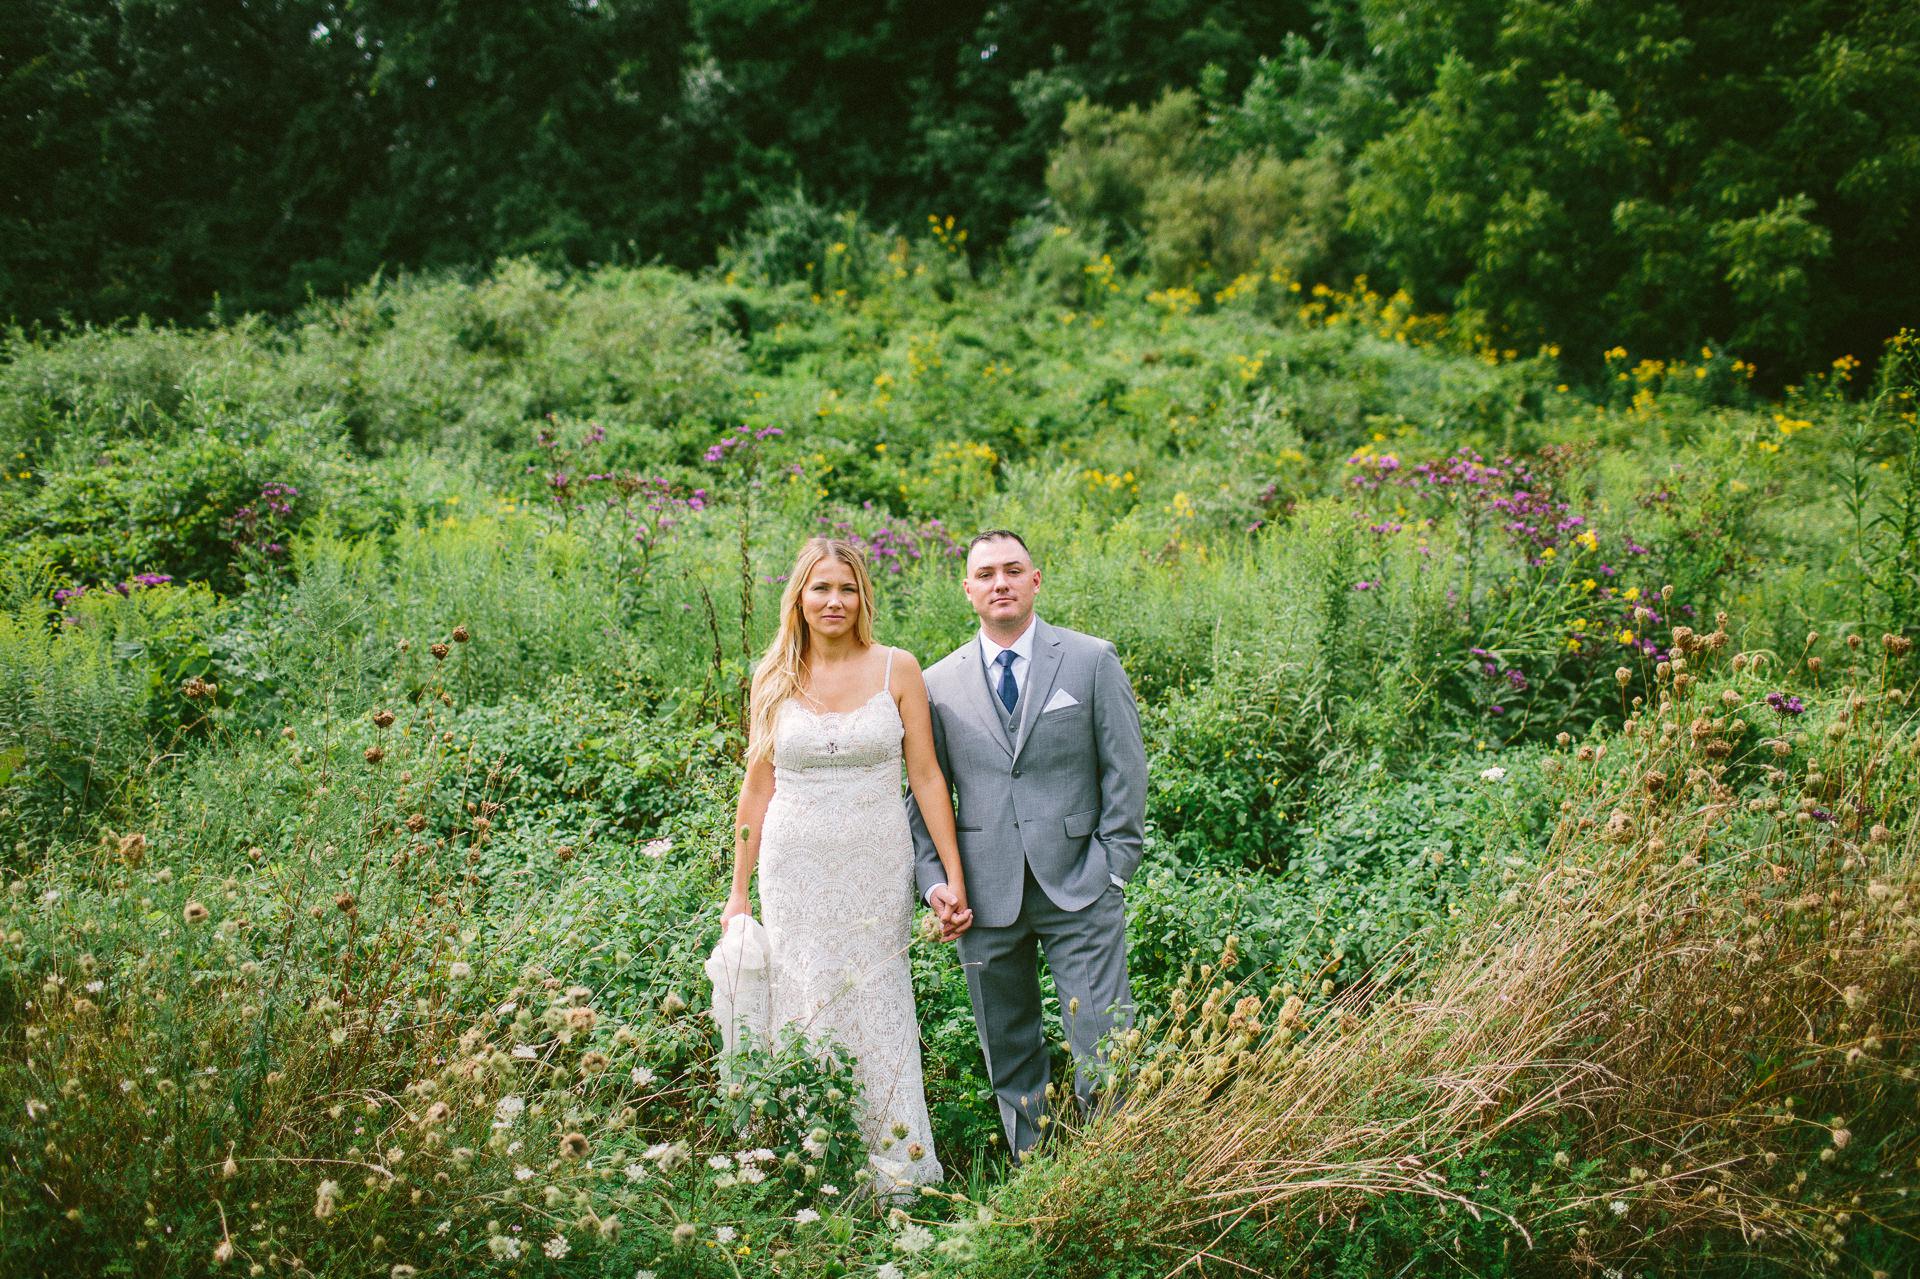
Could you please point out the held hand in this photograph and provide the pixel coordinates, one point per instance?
(736, 905)
(951, 909)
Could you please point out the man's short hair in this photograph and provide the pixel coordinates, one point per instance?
(994, 535)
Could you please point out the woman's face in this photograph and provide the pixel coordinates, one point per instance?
(830, 600)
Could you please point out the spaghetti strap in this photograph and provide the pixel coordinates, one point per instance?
(886, 683)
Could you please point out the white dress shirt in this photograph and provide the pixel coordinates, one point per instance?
(1022, 650)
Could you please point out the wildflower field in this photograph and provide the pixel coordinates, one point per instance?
(1532, 882)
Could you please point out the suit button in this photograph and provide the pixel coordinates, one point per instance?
(1016, 772)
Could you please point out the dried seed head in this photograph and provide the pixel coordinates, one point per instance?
(1729, 698)
(346, 904)
(1853, 642)
(574, 1146)
(1622, 676)
(195, 913)
(133, 848)
(461, 635)
(564, 853)
(374, 754)
(1814, 664)
(1879, 834)
(383, 719)
(439, 652)
(1897, 645)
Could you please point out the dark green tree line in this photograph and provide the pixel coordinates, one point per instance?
(157, 153)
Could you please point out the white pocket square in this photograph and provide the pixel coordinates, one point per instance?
(1060, 700)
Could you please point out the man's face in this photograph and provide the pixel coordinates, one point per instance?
(1001, 583)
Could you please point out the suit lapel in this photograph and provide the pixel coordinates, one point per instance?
(975, 695)
(1040, 682)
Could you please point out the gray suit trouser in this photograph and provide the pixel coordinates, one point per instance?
(1086, 951)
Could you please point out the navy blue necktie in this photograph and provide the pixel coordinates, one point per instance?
(1009, 691)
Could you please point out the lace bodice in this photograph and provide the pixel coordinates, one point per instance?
(813, 748)
(836, 890)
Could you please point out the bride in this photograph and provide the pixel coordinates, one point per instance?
(820, 813)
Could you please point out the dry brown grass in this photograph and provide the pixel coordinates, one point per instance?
(1706, 984)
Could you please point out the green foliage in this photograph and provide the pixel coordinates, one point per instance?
(1140, 176)
(303, 149)
(1595, 176)
(87, 701)
(1316, 531)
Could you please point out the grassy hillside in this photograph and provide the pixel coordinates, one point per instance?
(1531, 866)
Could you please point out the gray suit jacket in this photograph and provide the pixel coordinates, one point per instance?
(1068, 798)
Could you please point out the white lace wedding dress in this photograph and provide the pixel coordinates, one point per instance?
(836, 890)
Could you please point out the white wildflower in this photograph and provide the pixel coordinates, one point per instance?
(751, 1176)
(504, 1246)
(719, 1163)
(657, 848)
(1619, 1207)
(915, 1238)
(642, 1077)
(508, 1108)
(525, 1052)
(460, 970)
(725, 1234)
(635, 1172)
(556, 1247)
(1493, 774)
(523, 1173)
(806, 1217)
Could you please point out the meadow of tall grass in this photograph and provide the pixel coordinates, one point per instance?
(1530, 883)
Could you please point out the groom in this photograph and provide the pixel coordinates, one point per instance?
(1036, 729)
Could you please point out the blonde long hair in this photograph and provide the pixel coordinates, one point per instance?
(779, 673)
